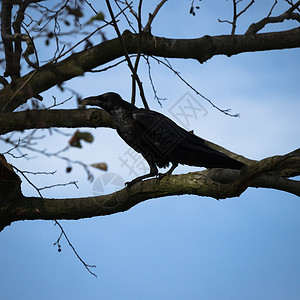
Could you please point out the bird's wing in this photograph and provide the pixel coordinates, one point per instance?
(178, 145)
(166, 134)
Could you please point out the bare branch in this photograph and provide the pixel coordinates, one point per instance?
(26, 145)
(30, 119)
(58, 184)
(291, 3)
(127, 56)
(215, 183)
(18, 90)
(271, 10)
(153, 15)
(8, 46)
(168, 65)
(63, 233)
(200, 49)
(151, 81)
(39, 173)
(109, 67)
(125, 16)
(245, 9)
(236, 14)
(29, 181)
(137, 60)
(134, 14)
(17, 37)
(287, 15)
(17, 32)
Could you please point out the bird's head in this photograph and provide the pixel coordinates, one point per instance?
(108, 101)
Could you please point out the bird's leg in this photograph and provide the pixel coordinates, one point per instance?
(153, 172)
(169, 172)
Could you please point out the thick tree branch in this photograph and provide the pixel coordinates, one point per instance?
(215, 183)
(201, 49)
(266, 180)
(6, 9)
(73, 118)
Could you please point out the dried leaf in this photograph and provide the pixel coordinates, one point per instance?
(78, 136)
(98, 17)
(102, 166)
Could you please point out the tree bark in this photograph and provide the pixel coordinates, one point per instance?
(215, 183)
(201, 49)
(68, 118)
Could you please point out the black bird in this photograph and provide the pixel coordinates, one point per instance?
(158, 138)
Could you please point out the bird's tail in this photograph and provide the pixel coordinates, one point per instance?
(220, 160)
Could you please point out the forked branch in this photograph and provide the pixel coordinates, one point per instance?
(287, 15)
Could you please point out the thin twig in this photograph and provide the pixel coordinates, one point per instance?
(126, 55)
(28, 180)
(291, 3)
(153, 15)
(137, 60)
(58, 184)
(288, 14)
(47, 154)
(38, 189)
(39, 173)
(168, 65)
(63, 233)
(87, 266)
(152, 83)
(91, 6)
(125, 16)
(109, 67)
(236, 14)
(271, 10)
(19, 89)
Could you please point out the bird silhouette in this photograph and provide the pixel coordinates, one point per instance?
(160, 140)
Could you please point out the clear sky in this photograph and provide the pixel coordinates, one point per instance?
(181, 247)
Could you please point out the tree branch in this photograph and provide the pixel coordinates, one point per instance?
(153, 15)
(215, 183)
(287, 15)
(6, 9)
(201, 49)
(236, 15)
(73, 118)
(132, 69)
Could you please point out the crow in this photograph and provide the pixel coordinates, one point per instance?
(160, 140)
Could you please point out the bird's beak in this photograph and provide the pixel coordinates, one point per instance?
(93, 101)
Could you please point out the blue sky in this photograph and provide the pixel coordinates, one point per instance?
(181, 247)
